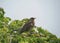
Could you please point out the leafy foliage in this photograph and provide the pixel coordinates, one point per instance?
(8, 35)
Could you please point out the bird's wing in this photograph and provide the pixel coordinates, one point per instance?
(25, 27)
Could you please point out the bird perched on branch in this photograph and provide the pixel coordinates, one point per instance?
(28, 26)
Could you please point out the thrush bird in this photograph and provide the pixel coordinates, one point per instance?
(28, 26)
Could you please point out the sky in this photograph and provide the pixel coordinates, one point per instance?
(46, 12)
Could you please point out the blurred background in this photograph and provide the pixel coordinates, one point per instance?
(46, 12)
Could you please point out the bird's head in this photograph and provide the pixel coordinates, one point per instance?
(32, 19)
